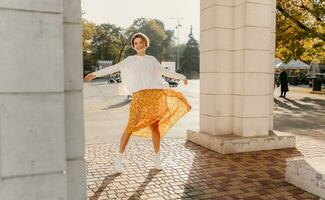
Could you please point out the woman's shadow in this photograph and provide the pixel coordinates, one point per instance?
(108, 179)
(137, 194)
(118, 105)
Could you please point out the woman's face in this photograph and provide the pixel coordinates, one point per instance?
(139, 45)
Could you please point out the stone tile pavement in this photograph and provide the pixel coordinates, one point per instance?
(193, 172)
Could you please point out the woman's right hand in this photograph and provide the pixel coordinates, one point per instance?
(89, 77)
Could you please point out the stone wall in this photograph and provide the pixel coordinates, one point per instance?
(41, 101)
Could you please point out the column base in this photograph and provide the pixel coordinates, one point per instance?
(307, 174)
(226, 144)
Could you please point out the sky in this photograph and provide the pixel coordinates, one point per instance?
(123, 12)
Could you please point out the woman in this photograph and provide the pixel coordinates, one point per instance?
(154, 107)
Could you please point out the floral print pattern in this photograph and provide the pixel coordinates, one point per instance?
(148, 106)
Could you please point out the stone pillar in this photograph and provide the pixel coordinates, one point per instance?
(236, 89)
(41, 117)
(272, 58)
(73, 101)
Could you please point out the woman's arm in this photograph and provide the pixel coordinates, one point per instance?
(171, 74)
(107, 70)
(167, 72)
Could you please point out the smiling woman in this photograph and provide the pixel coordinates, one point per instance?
(139, 41)
(154, 108)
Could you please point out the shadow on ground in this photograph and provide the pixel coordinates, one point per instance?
(118, 105)
(254, 175)
(303, 117)
(190, 172)
(108, 180)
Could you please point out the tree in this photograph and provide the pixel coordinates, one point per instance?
(89, 31)
(190, 60)
(173, 51)
(105, 45)
(308, 15)
(300, 30)
(122, 44)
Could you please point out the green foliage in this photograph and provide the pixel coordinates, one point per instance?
(104, 43)
(300, 30)
(190, 60)
(89, 31)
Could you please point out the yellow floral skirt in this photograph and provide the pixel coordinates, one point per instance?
(165, 106)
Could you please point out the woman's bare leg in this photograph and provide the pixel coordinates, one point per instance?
(155, 137)
(124, 141)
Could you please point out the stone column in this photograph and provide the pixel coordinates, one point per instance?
(41, 118)
(272, 58)
(73, 99)
(236, 89)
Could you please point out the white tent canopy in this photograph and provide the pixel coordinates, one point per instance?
(277, 62)
(294, 64)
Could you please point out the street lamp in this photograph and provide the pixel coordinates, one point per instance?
(177, 27)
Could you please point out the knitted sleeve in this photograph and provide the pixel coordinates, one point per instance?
(167, 72)
(111, 69)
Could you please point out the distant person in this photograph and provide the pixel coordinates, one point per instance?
(284, 83)
(275, 81)
(154, 107)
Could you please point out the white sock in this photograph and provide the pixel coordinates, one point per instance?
(120, 155)
(157, 154)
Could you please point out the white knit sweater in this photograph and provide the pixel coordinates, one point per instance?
(140, 72)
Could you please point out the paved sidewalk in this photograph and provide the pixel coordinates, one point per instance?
(190, 172)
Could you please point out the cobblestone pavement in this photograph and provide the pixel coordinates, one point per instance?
(191, 172)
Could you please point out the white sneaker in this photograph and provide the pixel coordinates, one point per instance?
(157, 162)
(118, 164)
